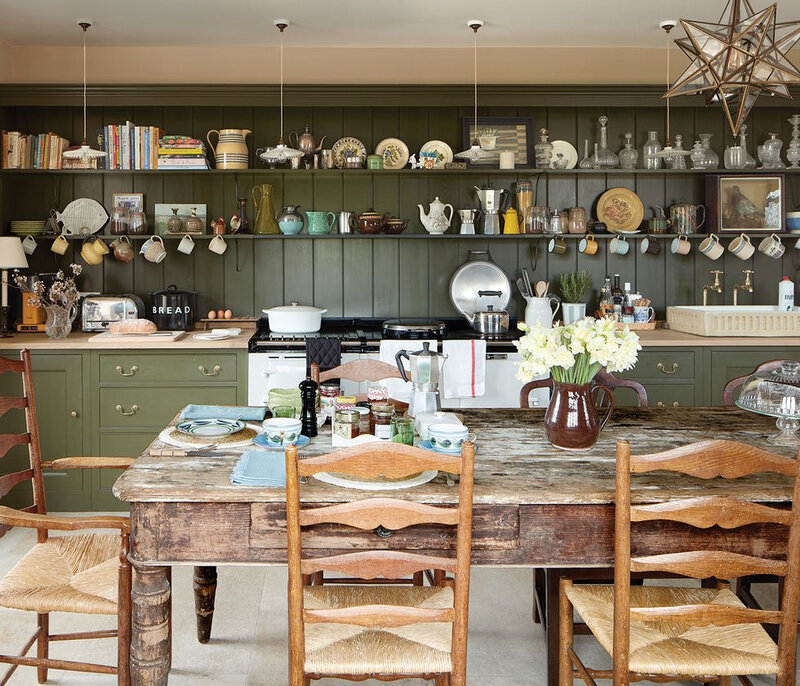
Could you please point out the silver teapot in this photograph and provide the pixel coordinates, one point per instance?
(306, 143)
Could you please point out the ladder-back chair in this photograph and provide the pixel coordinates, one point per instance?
(360, 371)
(382, 631)
(667, 633)
(730, 388)
(85, 573)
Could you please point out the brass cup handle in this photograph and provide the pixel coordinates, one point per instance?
(205, 372)
(663, 369)
(122, 372)
(134, 409)
(662, 404)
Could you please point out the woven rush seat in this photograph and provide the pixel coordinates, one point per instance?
(75, 573)
(671, 647)
(348, 649)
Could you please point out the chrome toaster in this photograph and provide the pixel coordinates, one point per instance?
(98, 312)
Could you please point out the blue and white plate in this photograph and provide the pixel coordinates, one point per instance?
(261, 440)
(426, 445)
(210, 428)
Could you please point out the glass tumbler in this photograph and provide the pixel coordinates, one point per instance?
(402, 430)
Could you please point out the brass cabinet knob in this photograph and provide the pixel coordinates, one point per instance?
(205, 372)
(122, 372)
(662, 404)
(134, 409)
(663, 369)
(73, 414)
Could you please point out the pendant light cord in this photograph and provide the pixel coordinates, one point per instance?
(475, 77)
(281, 97)
(84, 27)
(667, 29)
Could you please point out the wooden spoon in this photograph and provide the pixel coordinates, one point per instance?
(541, 289)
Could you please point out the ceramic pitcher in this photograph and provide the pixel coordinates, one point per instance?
(541, 311)
(230, 152)
(265, 212)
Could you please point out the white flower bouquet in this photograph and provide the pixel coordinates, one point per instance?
(574, 354)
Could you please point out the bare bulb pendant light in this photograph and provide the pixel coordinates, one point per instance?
(668, 153)
(84, 153)
(281, 152)
(475, 151)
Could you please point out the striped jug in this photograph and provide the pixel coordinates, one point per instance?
(230, 151)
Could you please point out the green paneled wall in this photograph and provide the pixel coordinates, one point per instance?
(384, 276)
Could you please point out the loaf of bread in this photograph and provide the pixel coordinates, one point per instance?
(142, 326)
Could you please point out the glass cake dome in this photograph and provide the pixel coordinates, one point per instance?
(776, 393)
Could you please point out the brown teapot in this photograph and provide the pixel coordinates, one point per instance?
(372, 221)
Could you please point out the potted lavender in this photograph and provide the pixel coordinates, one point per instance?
(59, 301)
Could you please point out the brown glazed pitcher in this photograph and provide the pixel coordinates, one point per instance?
(571, 421)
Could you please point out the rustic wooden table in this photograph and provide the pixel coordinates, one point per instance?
(535, 506)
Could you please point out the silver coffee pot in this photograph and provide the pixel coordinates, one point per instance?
(468, 219)
(426, 369)
(492, 205)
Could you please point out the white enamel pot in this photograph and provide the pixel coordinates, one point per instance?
(294, 318)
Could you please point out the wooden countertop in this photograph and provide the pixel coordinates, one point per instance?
(514, 465)
(80, 341)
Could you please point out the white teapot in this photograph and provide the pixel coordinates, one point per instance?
(436, 220)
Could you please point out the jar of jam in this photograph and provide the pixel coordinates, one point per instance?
(328, 392)
(364, 418)
(377, 393)
(382, 414)
(346, 423)
(345, 402)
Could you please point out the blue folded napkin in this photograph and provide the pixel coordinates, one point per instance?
(260, 468)
(247, 414)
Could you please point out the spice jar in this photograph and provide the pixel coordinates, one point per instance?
(346, 423)
(382, 414)
(137, 225)
(329, 391)
(364, 419)
(118, 225)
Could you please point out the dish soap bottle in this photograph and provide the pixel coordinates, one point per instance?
(786, 295)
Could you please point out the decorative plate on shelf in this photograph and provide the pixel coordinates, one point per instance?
(621, 210)
(210, 428)
(569, 153)
(444, 153)
(82, 217)
(348, 144)
(394, 153)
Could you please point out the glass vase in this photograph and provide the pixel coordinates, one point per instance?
(59, 321)
(712, 159)
(651, 147)
(793, 151)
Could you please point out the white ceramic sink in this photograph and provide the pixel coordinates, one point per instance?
(727, 320)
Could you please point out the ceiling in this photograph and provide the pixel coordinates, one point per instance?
(354, 23)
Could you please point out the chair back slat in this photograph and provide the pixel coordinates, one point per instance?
(712, 459)
(706, 614)
(379, 616)
(9, 365)
(8, 481)
(359, 371)
(8, 441)
(390, 513)
(704, 564)
(708, 511)
(372, 460)
(12, 403)
(387, 564)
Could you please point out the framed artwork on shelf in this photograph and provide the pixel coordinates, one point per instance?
(173, 219)
(738, 202)
(133, 202)
(497, 134)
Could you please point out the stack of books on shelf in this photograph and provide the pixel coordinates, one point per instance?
(128, 146)
(182, 153)
(32, 151)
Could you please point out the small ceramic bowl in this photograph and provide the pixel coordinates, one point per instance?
(395, 225)
(793, 221)
(290, 228)
(447, 438)
(282, 430)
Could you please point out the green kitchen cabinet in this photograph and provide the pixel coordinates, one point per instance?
(670, 377)
(728, 363)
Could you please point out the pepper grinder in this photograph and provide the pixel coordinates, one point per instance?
(308, 415)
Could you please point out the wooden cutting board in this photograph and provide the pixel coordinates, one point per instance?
(161, 336)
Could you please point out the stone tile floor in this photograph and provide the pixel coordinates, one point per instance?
(248, 645)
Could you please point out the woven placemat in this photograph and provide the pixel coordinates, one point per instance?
(246, 434)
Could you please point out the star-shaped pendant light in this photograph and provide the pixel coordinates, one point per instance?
(281, 152)
(84, 153)
(738, 58)
(475, 152)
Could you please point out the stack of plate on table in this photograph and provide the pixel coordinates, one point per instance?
(27, 228)
(210, 428)
(259, 468)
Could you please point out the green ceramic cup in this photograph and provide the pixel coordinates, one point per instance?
(320, 223)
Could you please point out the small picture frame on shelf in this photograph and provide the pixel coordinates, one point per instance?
(746, 203)
(191, 218)
(133, 202)
(497, 134)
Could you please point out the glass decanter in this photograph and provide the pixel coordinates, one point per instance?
(712, 159)
(771, 153)
(651, 147)
(586, 162)
(543, 150)
(606, 158)
(749, 160)
(628, 156)
(793, 151)
(677, 160)
(698, 156)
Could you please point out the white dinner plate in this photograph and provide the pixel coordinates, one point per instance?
(568, 151)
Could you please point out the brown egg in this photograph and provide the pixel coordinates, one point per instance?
(220, 314)
(228, 314)
(212, 314)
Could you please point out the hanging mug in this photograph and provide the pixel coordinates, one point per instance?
(60, 245)
(29, 245)
(619, 245)
(681, 246)
(186, 245)
(557, 246)
(123, 250)
(711, 247)
(649, 246)
(588, 245)
(742, 247)
(772, 247)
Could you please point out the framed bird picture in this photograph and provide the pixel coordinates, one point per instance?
(746, 203)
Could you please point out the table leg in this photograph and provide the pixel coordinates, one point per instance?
(150, 636)
(553, 625)
(205, 590)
